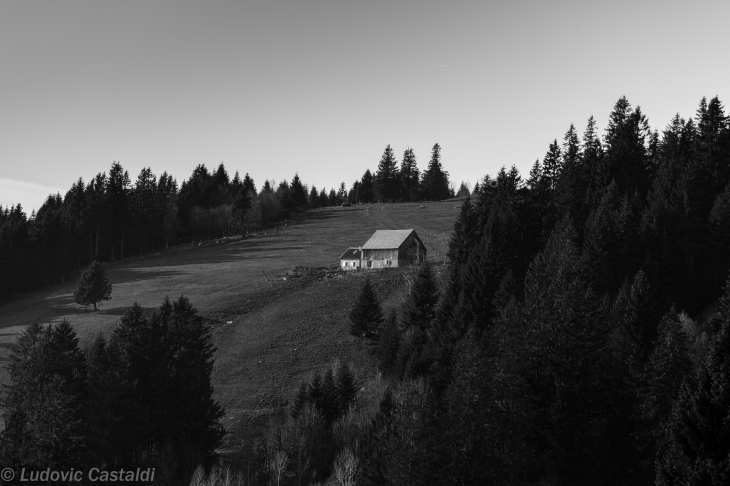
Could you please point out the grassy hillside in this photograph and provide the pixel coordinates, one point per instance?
(271, 325)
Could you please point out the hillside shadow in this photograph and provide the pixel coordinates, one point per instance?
(310, 217)
(246, 250)
(139, 274)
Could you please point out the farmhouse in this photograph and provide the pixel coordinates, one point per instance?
(350, 260)
(386, 248)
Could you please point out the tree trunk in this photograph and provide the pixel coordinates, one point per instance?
(94, 305)
(121, 249)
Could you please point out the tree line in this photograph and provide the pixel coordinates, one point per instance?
(139, 398)
(111, 217)
(567, 340)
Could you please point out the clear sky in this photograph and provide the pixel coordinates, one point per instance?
(321, 87)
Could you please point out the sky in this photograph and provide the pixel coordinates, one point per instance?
(321, 87)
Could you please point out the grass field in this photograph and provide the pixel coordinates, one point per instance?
(270, 327)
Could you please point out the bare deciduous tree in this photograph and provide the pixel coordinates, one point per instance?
(346, 468)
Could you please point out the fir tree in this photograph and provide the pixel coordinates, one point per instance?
(298, 193)
(422, 301)
(435, 181)
(328, 406)
(388, 344)
(42, 405)
(346, 386)
(93, 286)
(248, 184)
(666, 368)
(110, 407)
(695, 446)
(386, 178)
(366, 314)
(409, 176)
(313, 199)
(314, 391)
(366, 188)
(300, 399)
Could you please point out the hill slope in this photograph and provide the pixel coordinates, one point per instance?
(281, 327)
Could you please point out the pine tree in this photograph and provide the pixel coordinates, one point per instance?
(346, 386)
(242, 203)
(195, 426)
(387, 178)
(419, 318)
(366, 314)
(314, 391)
(388, 344)
(328, 406)
(552, 165)
(435, 181)
(248, 184)
(93, 286)
(409, 176)
(42, 405)
(567, 394)
(300, 399)
(298, 194)
(375, 443)
(313, 198)
(666, 368)
(365, 190)
(119, 206)
(170, 360)
(695, 448)
(422, 301)
(111, 407)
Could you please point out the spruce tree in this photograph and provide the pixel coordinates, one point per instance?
(435, 181)
(42, 405)
(329, 403)
(666, 368)
(696, 440)
(111, 406)
(93, 286)
(409, 176)
(386, 179)
(422, 301)
(419, 316)
(314, 391)
(298, 193)
(388, 344)
(366, 314)
(300, 399)
(365, 190)
(248, 184)
(346, 386)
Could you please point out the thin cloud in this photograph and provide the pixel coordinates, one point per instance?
(29, 194)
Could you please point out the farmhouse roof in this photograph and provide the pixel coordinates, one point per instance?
(387, 239)
(352, 253)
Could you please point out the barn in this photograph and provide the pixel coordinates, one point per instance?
(392, 248)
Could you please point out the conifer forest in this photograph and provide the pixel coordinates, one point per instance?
(578, 333)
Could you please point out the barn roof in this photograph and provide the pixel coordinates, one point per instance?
(387, 239)
(352, 253)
